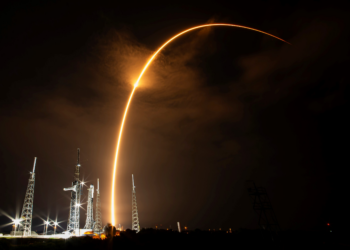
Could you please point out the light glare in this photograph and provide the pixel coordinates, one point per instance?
(16, 221)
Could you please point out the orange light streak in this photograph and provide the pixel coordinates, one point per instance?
(137, 83)
(116, 154)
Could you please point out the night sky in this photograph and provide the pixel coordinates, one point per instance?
(218, 107)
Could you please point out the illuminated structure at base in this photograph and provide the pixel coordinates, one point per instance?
(89, 215)
(98, 220)
(135, 215)
(27, 210)
(74, 211)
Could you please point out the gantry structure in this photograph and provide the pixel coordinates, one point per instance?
(89, 224)
(135, 215)
(98, 219)
(27, 210)
(74, 211)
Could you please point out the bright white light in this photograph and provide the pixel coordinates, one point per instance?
(77, 205)
(16, 221)
(55, 223)
(82, 183)
(46, 222)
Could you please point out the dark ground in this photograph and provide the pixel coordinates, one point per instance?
(162, 239)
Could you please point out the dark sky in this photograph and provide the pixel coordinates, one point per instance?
(218, 107)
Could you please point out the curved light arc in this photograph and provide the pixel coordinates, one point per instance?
(138, 80)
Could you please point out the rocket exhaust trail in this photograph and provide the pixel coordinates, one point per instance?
(138, 80)
(116, 154)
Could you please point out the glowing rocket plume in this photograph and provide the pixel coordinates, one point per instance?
(138, 80)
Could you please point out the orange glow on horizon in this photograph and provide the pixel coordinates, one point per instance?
(137, 83)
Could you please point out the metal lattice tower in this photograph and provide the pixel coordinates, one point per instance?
(135, 215)
(89, 215)
(27, 210)
(74, 212)
(262, 206)
(98, 220)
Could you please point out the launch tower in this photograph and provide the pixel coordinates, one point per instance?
(135, 215)
(27, 210)
(98, 222)
(74, 212)
(89, 215)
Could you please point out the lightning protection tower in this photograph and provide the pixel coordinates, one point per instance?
(98, 220)
(89, 215)
(27, 210)
(135, 215)
(74, 212)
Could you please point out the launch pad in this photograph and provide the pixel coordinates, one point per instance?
(93, 226)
